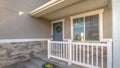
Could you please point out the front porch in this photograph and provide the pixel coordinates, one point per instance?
(81, 31)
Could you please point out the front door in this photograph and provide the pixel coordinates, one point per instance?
(57, 31)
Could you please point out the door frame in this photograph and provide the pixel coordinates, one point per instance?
(57, 21)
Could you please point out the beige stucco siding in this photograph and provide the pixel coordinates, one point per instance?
(14, 26)
(67, 28)
(107, 25)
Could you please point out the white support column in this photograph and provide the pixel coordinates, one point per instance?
(116, 33)
(109, 55)
(49, 49)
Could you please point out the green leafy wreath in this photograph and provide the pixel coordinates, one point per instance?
(58, 29)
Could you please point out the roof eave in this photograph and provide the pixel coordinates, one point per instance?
(45, 6)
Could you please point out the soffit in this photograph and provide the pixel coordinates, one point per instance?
(70, 7)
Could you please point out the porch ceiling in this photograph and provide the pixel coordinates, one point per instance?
(56, 9)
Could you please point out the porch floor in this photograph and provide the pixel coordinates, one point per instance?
(43, 55)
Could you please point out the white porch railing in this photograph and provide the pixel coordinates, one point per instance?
(92, 55)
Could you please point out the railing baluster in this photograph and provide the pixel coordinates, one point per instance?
(102, 57)
(96, 56)
(83, 53)
(61, 50)
(88, 54)
(76, 53)
(80, 53)
(66, 50)
(73, 53)
(52, 48)
(92, 56)
(70, 52)
(58, 49)
(55, 48)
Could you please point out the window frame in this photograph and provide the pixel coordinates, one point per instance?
(100, 14)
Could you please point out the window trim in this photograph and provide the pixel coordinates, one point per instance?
(99, 12)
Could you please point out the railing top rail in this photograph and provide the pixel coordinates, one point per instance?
(58, 42)
(84, 43)
(90, 44)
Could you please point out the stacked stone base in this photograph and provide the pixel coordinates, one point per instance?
(15, 52)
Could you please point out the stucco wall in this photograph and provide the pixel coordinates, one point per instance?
(14, 26)
(107, 25)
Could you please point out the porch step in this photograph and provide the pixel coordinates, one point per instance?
(27, 64)
(37, 62)
(43, 56)
(31, 65)
(17, 65)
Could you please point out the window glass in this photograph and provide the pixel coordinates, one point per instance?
(92, 27)
(78, 29)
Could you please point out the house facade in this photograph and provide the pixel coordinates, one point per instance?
(68, 15)
(78, 29)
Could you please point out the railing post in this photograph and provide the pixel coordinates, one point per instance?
(49, 50)
(69, 52)
(109, 55)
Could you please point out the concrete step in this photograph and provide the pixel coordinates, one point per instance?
(20, 65)
(31, 65)
(37, 62)
(17, 65)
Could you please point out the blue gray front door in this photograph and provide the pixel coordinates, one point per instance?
(57, 31)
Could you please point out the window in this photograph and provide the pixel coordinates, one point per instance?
(86, 27)
(78, 29)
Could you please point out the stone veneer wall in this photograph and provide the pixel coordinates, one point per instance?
(14, 52)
